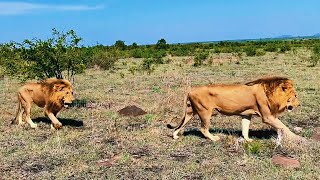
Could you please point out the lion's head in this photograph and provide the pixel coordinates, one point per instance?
(280, 93)
(60, 91)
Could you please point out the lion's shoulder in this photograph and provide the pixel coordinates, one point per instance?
(277, 89)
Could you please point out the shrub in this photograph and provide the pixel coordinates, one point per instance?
(148, 65)
(315, 57)
(104, 59)
(253, 147)
(284, 48)
(260, 52)
(271, 48)
(200, 57)
(44, 58)
(250, 51)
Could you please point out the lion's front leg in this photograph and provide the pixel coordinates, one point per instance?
(245, 128)
(55, 123)
(278, 125)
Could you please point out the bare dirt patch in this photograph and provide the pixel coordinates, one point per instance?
(132, 111)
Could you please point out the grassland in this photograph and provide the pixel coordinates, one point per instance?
(98, 143)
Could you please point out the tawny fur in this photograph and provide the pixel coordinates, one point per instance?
(51, 94)
(266, 97)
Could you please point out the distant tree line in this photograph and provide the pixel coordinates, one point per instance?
(61, 55)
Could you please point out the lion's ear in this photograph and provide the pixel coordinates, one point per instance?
(58, 87)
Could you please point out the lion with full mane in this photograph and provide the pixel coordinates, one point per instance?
(51, 94)
(265, 97)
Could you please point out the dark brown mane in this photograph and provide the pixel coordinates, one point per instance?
(269, 83)
(51, 82)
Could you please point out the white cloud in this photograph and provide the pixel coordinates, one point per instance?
(15, 8)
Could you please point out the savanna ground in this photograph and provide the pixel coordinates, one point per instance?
(98, 143)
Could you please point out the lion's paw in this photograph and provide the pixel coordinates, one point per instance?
(215, 138)
(56, 126)
(34, 126)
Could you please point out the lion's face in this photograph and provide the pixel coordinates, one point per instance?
(290, 95)
(64, 93)
(67, 96)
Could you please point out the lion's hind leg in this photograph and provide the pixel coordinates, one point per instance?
(19, 116)
(26, 106)
(184, 121)
(205, 116)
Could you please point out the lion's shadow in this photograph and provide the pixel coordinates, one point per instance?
(64, 121)
(259, 134)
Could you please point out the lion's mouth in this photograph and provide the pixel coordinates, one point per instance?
(290, 108)
(66, 104)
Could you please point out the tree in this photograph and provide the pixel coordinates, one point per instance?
(162, 44)
(120, 45)
(46, 58)
(134, 45)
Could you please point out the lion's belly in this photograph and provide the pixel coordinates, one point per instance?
(246, 111)
(236, 105)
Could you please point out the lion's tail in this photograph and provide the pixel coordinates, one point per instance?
(15, 120)
(186, 104)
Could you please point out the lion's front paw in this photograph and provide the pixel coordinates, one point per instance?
(34, 126)
(249, 140)
(56, 126)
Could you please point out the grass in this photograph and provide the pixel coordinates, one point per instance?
(142, 147)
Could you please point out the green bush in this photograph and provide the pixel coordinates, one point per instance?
(250, 51)
(200, 57)
(148, 65)
(260, 52)
(284, 48)
(253, 147)
(271, 48)
(104, 59)
(44, 58)
(315, 57)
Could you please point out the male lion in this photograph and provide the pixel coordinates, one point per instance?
(51, 94)
(266, 97)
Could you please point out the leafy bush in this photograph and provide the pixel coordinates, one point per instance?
(104, 59)
(253, 147)
(284, 48)
(200, 57)
(260, 52)
(44, 58)
(271, 48)
(250, 51)
(315, 57)
(148, 65)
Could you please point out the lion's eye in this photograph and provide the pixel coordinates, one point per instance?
(67, 92)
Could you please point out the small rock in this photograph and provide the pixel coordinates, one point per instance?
(297, 129)
(285, 162)
(132, 111)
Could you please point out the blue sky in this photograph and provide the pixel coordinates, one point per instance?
(146, 21)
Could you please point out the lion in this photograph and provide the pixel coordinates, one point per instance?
(265, 97)
(51, 94)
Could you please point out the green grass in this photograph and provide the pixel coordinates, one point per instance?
(142, 147)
